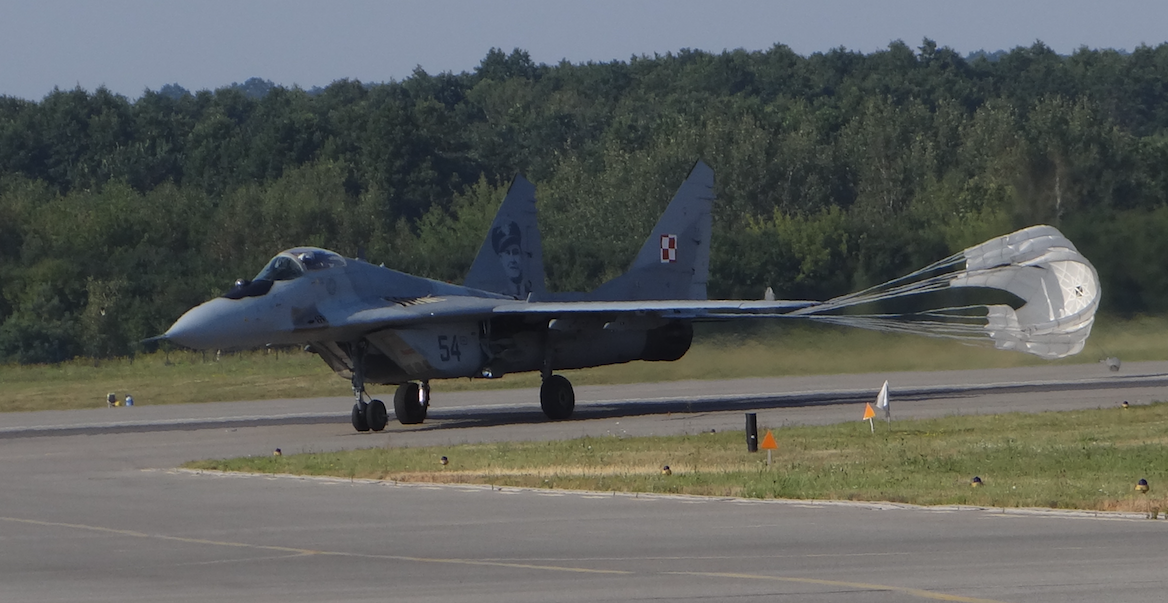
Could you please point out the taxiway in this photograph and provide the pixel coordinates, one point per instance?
(91, 508)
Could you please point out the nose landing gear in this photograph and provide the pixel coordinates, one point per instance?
(370, 416)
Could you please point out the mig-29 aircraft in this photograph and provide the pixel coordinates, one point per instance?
(376, 325)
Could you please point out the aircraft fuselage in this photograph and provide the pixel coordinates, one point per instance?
(321, 306)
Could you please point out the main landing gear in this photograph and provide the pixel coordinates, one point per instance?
(411, 401)
(556, 397)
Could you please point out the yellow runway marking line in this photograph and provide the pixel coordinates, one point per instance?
(924, 594)
(710, 557)
(136, 534)
(915, 592)
(239, 560)
(304, 552)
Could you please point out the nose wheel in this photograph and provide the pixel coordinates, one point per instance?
(366, 416)
(360, 423)
(375, 415)
(370, 416)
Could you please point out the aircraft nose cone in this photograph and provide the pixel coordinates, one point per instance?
(203, 327)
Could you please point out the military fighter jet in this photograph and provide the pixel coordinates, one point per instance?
(372, 324)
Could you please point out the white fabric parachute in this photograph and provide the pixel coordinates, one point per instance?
(1058, 287)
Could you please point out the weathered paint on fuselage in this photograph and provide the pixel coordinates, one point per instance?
(314, 308)
(322, 309)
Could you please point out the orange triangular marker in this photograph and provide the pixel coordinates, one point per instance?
(769, 443)
(869, 412)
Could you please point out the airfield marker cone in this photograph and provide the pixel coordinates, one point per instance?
(869, 414)
(769, 444)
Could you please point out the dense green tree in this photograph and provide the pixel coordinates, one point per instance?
(835, 170)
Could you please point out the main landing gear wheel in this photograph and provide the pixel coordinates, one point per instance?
(557, 398)
(375, 415)
(408, 404)
(360, 423)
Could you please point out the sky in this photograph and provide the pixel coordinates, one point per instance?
(129, 46)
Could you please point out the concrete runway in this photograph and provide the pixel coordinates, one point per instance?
(91, 509)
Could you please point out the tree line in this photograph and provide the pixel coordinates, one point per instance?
(834, 171)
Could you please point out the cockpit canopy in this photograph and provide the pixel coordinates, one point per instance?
(313, 258)
(286, 266)
(281, 268)
(294, 262)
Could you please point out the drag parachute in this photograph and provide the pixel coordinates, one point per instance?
(1058, 289)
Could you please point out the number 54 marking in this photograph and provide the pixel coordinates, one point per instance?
(448, 348)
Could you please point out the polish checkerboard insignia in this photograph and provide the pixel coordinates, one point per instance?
(668, 248)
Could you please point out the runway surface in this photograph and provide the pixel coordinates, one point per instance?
(91, 508)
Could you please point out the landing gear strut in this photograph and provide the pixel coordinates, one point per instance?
(411, 401)
(365, 416)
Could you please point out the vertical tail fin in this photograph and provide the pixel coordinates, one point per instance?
(511, 258)
(674, 262)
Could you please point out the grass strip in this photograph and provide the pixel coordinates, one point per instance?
(749, 349)
(1090, 459)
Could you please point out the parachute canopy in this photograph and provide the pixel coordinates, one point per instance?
(1058, 288)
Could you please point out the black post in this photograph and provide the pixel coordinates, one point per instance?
(751, 432)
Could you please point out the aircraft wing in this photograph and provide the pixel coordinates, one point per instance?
(425, 310)
(694, 309)
(415, 311)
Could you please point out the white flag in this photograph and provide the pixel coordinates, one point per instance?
(882, 402)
